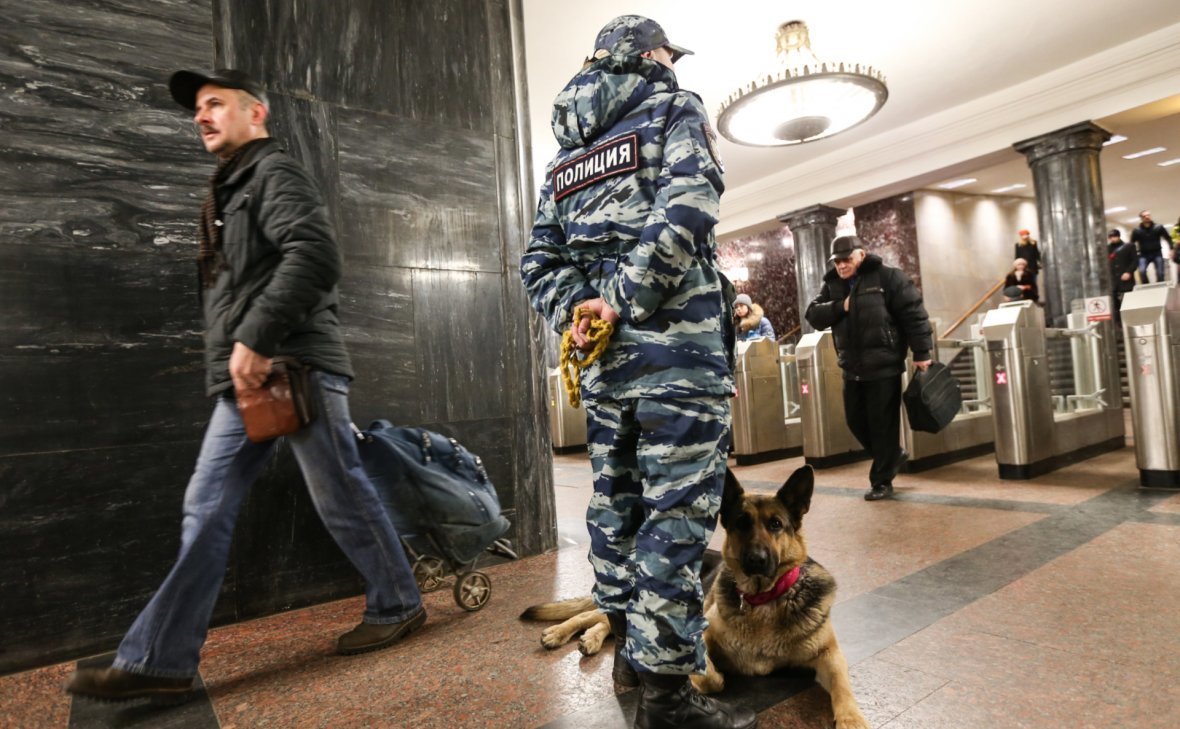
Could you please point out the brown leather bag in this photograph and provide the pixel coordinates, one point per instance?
(281, 406)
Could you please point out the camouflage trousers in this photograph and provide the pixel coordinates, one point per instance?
(659, 469)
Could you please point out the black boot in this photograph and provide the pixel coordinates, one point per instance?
(623, 672)
(670, 702)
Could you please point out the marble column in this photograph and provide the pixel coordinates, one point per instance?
(1068, 182)
(813, 229)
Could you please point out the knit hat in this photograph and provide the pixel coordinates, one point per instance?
(743, 299)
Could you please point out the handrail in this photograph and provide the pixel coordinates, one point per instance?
(983, 300)
(788, 334)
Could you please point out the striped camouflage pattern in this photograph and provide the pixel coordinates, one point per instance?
(641, 239)
(659, 470)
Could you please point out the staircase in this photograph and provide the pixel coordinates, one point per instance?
(962, 366)
(1124, 384)
(1060, 368)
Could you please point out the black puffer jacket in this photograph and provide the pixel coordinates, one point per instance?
(277, 294)
(884, 317)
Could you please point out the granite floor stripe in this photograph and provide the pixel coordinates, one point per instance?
(919, 498)
(1157, 517)
(196, 713)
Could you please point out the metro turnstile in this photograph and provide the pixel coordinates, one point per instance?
(1151, 331)
(972, 432)
(760, 430)
(567, 425)
(827, 441)
(1030, 438)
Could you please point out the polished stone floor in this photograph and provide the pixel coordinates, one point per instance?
(966, 601)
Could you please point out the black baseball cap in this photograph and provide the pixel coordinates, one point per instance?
(184, 85)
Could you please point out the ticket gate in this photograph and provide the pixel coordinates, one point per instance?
(567, 424)
(1032, 436)
(1151, 331)
(760, 430)
(972, 432)
(827, 441)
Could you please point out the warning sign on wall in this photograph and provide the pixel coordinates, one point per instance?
(1098, 308)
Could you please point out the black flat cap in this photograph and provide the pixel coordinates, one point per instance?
(843, 247)
(184, 85)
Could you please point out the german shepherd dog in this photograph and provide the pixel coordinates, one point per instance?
(768, 604)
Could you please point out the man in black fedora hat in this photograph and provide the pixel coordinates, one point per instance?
(875, 313)
(268, 266)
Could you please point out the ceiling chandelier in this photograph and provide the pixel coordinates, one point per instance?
(803, 99)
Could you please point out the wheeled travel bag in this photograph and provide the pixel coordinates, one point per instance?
(933, 398)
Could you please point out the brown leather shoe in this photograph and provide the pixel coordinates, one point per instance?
(374, 636)
(115, 684)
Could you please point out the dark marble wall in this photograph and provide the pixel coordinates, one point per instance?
(889, 229)
(417, 145)
(769, 258)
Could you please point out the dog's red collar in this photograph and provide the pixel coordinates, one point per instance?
(786, 582)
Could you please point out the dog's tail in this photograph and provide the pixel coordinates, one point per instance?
(562, 610)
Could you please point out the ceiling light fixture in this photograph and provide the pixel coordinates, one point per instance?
(1168, 162)
(1114, 140)
(1008, 188)
(802, 99)
(1119, 209)
(957, 183)
(1144, 153)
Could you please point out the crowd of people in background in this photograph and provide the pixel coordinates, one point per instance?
(1150, 246)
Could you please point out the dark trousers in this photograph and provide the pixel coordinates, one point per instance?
(872, 410)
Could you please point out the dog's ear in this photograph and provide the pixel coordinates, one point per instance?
(731, 500)
(795, 494)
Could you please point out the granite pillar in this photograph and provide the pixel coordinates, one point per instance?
(814, 229)
(1068, 182)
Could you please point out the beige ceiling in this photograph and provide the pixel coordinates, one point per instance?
(966, 80)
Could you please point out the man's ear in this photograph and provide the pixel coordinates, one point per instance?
(259, 114)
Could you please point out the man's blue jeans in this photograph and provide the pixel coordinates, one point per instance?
(1156, 260)
(166, 638)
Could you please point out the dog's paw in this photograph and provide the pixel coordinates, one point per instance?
(554, 637)
(710, 683)
(592, 640)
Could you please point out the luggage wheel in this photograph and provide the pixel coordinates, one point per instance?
(429, 573)
(473, 590)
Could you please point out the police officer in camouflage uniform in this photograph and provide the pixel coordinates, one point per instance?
(624, 227)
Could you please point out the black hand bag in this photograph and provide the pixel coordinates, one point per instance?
(933, 398)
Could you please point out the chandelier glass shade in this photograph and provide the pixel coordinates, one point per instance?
(803, 99)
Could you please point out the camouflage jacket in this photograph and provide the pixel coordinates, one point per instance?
(627, 213)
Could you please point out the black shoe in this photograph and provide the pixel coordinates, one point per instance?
(670, 702)
(623, 672)
(879, 491)
(898, 462)
(115, 684)
(374, 636)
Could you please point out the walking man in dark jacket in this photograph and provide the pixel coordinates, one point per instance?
(875, 313)
(1123, 264)
(268, 267)
(1154, 244)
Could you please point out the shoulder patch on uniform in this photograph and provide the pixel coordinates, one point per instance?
(606, 160)
(711, 138)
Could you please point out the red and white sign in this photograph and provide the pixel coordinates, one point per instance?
(1098, 308)
(1001, 378)
(804, 388)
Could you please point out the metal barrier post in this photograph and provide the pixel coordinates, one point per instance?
(1151, 330)
(826, 439)
(1021, 404)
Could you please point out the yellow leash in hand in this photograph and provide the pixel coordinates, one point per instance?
(572, 361)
